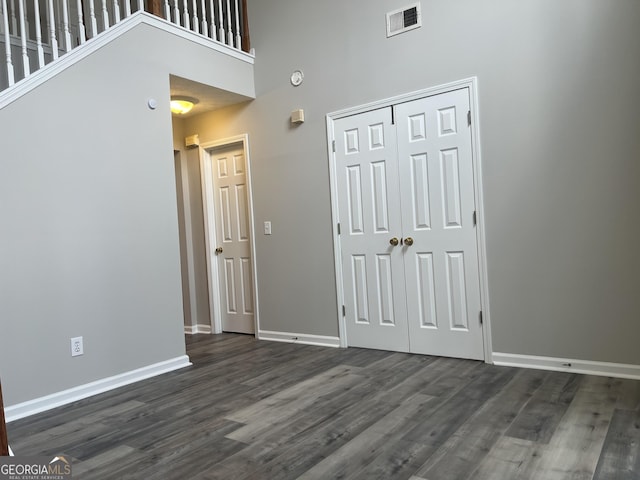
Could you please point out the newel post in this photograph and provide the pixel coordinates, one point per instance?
(4, 442)
(246, 43)
(155, 7)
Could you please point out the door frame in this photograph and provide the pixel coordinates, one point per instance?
(209, 213)
(472, 84)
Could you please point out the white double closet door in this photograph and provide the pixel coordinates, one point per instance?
(408, 244)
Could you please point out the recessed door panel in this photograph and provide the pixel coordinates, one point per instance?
(457, 296)
(385, 290)
(354, 200)
(420, 192)
(426, 290)
(359, 314)
(451, 201)
(380, 198)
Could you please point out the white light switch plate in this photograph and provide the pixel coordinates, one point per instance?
(267, 228)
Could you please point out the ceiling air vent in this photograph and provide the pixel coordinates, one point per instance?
(403, 20)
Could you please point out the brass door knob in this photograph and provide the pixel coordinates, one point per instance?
(408, 241)
(218, 250)
(394, 241)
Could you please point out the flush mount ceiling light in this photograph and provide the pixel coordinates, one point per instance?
(181, 105)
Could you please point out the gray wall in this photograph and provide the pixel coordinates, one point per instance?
(89, 219)
(560, 149)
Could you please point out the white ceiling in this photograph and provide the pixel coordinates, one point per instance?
(209, 98)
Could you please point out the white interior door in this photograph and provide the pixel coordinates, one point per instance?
(232, 251)
(438, 205)
(369, 203)
(411, 180)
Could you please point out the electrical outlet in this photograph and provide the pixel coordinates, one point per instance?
(77, 347)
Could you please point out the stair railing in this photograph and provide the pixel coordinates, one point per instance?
(34, 33)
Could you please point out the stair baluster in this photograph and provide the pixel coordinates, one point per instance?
(185, 13)
(167, 10)
(105, 15)
(23, 41)
(40, 49)
(14, 21)
(94, 21)
(229, 40)
(7, 43)
(238, 43)
(65, 25)
(116, 11)
(176, 13)
(212, 15)
(194, 24)
(82, 31)
(204, 28)
(221, 32)
(51, 24)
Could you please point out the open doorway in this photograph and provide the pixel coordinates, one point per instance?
(195, 288)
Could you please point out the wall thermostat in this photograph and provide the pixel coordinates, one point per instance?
(297, 116)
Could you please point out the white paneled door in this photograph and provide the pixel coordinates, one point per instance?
(232, 250)
(408, 238)
(369, 204)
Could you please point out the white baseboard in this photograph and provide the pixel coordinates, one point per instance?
(194, 329)
(606, 369)
(31, 407)
(299, 338)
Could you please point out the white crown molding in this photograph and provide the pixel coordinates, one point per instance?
(606, 369)
(303, 338)
(31, 407)
(52, 69)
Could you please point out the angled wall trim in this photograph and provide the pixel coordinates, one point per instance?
(606, 369)
(31, 407)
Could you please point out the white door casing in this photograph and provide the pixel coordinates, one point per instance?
(228, 214)
(437, 290)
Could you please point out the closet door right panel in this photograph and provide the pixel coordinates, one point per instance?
(439, 235)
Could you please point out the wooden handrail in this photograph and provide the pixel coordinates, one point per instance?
(246, 42)
(4, 442)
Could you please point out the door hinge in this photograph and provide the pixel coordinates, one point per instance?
(393, 116)
(333, 146)
(469, 118)
(344, 311)
(338, 229)
(475, 218)
(481, 320)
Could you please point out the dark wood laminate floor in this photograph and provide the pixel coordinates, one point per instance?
(266, 410)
